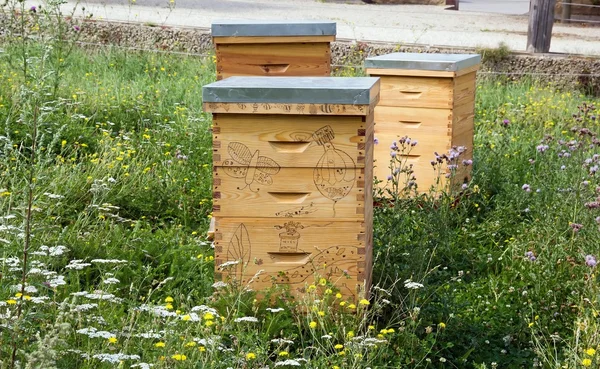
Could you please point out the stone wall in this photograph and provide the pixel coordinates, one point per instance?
(572, 72)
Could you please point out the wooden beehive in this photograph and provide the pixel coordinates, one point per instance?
(292, 180)
(271, 48)
(431, 99)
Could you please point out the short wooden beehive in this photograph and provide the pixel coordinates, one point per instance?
(292, 180)
(431, 99)
(271, 48)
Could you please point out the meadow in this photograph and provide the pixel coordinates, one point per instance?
(105, 200)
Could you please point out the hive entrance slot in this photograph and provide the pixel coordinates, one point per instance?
(274, 68)
(289, 147)
(411, 94)
(290, 197)
(411, 123)
(300, 258)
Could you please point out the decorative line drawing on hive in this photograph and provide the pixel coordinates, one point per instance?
(240, 250)
(290, 237)
(332, 257)
(334, 174)
(250, 166)
(302, 210)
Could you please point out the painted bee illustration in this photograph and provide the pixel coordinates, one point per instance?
(250, 166)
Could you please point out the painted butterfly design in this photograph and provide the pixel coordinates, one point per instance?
(250, 166)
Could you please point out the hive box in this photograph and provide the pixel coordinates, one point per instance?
(271, 48)
(292, 180)
(429, 98)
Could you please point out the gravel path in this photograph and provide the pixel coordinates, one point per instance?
(405, 24)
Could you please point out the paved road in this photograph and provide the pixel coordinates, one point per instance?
(405, 24)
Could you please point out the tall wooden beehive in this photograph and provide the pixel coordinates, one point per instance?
(431, 99)
(292, 180)
(273, 48)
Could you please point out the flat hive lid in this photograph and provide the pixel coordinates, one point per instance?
(262, 28)
(293, 90)
(419, 61)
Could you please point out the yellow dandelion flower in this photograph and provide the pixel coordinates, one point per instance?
(335, 367)
(209, 323)
(338, 295)
(250, 356)
(11, 302)
(364, 302)
(112, 340)
(342, 353)
(586, 362)
(186, 317)
(343, 303)
(26, 297)
(371, 327)
(312, 288)
(169, 299)
(201, 348)
(442, 325)
(159, 344)
(169, 306)
(383, 331)
(18, 294)
(590, 351)
(312, 324)
(350, 334)
(208, 316)
(179, 357)
(391, 330)
(351, 306)
(190, 344)
(322, 281)
(328, 291)
(338, 346)
(283, 353)
(321, 313)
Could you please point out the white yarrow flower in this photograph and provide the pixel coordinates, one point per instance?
(275, 310)
(412, 285)
(246, 319)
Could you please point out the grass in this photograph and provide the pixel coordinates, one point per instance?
(105, 199)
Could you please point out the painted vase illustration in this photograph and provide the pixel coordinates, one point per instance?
(334, 174)
(289, 238)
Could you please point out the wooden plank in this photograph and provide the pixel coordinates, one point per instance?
(469, 70)
(289, 140)
(375, 72)
(296, 252)
(322, 192)
(298, 109)
(289, 59)
(272, 40)
(394, 121)
(416, 92)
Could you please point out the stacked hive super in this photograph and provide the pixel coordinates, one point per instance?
(292, 181)
(431, 99)
(268, 48)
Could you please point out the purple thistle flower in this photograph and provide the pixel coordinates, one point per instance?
(414, 143)
(505, 122)
(464, 186)
(467, 162)
(33, 9)
(563, 167)
(375, 140)
(542, 148)
(393, 154)
(526, 188)
(593, 169)
(590, 261)
(76, 28)
(389, 177)
(598, 220)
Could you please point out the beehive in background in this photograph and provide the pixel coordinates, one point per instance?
(431, 99)
(273, 48)
(292, 180)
